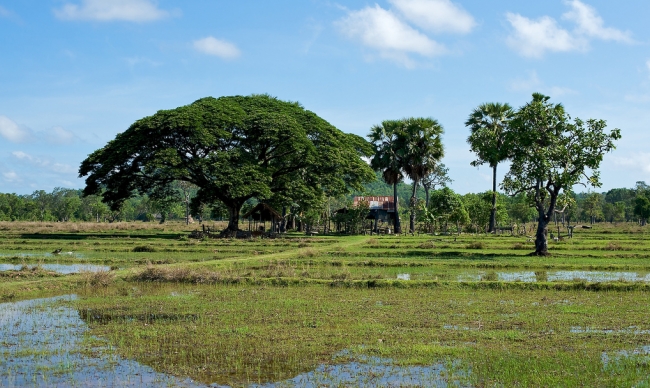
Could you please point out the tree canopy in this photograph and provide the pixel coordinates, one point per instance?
(549, 153)
(232, 149)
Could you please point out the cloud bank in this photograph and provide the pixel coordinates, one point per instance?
(438, 16)
(399, 33)
(534, 38)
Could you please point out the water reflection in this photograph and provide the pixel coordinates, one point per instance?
(45, 254)
(58, 268)
(375, 372)
(612, 357)
(555, 276)
(38, 347)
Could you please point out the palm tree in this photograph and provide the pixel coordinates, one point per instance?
(489, 124)
(385, 140)
(422, 150)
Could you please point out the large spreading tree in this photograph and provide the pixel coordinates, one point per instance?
(232, 149)
(550, 153)
(488, 124)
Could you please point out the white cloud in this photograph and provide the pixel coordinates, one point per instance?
(534, 38)
(636, 161)
(436, 15)
(217, 47)
(10, 176)
(589, 23)
(44, 164)
(382, 30)
(13, 132)
(110, 10)
(647, 64)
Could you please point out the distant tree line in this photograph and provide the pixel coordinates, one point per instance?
(446, 209)
(64, 205)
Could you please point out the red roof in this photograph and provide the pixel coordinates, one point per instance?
(383, 203)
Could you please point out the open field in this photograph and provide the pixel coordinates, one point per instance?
(238, 312)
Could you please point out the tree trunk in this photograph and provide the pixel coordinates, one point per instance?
(493, 212)
(413, 204)
(283, 223)
(426, 195)
(187, 212)
(233, 218)
(398, 228)
(541, 244)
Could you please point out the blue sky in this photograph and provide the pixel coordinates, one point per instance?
(74, 73)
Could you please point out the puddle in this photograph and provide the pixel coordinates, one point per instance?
(44, 254)
(404, 276)
(589, 330)
(374, 372)
(555, 276)
(38, 343)
(58, 268)
(616, 356)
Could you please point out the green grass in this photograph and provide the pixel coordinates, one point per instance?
(240, 311)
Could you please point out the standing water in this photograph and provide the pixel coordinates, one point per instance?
(39, 346)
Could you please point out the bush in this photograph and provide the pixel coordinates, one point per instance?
(476, 245)
(144, 248)
(97, 279)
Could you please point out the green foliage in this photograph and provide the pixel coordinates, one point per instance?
(549, 153)
(411, 147)
(447, 206)
(232, 149)
(488, 124)
(642, 205)
(479, 207)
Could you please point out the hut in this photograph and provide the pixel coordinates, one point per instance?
(381, 210)
(260, 215)
(381, 213)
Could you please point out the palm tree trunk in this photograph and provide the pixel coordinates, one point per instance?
(426, 195)
(413, 203)
(398, 228)
(493, 212)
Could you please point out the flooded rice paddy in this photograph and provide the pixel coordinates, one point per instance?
(372, 372)
(64, 269)
(529, 276)
(41, 342)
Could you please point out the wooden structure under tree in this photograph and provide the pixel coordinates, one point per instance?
(261, 214)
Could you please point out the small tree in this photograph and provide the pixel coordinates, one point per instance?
(592, 207)
(438, 176)
(551, 153)
(447, 206)
(642, 207)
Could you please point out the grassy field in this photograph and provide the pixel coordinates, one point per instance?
(253, 311)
